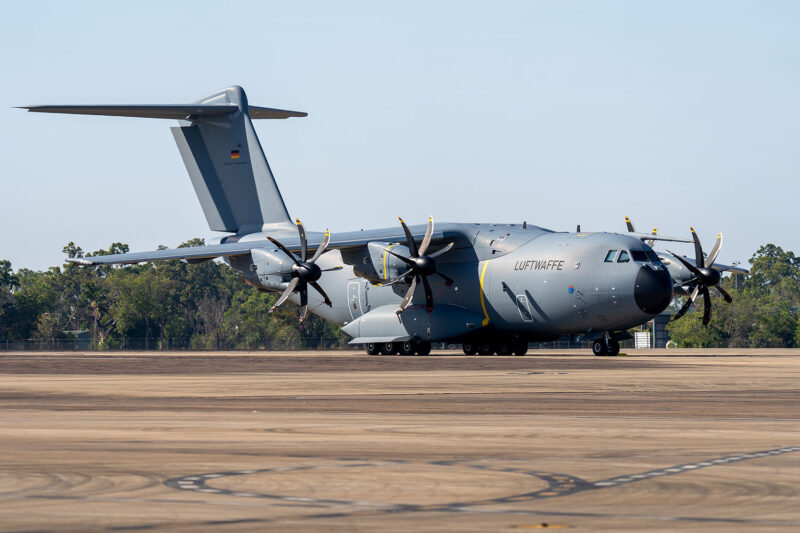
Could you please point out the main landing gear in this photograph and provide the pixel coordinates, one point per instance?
(499, 347)
(603, 347)
(393, 348)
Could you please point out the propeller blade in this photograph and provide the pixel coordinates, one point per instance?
(651, 242)
(714, 251)
(693, 269)
(437, 253)
(405, 260)
(706, 306)
(322, 293)
(447, 281)
(332, 269)
(284, 250)
(303, 290)
(685, 307)
(630, 225)
(408, 296)
(428, 294)
(412, 246)
(322, 246)
(401, 277)
(699, 260)
(426, 240)
(286, 293)
(303, 241)
(724, 294)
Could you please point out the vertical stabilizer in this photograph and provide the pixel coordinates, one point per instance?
(221, 151)
(228, 168)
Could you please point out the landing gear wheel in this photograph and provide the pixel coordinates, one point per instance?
(486, 348)
(389, 348)
(521, 348)
(469, 348)
(423, 348)
(373, 348)
(407, 348)
(504, 348)
(613, 347)
(599, 347)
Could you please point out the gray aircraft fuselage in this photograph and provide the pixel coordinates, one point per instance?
(536, 283)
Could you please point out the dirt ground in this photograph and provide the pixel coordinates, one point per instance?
(339, 441)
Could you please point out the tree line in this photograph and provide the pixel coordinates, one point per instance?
(171, 304)
(159, 305)
(764, 311)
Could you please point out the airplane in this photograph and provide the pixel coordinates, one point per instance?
(493, 288)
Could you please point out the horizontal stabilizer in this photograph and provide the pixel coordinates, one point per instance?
(177, 112)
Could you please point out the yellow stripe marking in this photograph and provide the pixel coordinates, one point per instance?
(385, 255)
(485, 321)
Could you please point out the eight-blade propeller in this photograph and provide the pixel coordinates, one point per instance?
(420, 266)
(304, 272)
(705, 276)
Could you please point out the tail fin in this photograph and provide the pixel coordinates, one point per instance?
(220, 149)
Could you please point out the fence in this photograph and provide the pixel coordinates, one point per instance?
(321, 343)
(141, 344)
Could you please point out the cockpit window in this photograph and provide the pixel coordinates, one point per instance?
(653, 257)
(639, 255)
(610, 256)
(623, 257)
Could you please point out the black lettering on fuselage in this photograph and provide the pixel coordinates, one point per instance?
(540, 264)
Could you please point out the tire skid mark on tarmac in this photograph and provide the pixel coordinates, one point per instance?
(557, 485)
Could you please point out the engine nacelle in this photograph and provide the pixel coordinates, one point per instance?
(264, 268)
(374, 264)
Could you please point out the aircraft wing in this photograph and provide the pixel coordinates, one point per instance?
(652, 237)
(341, 241)
(719, 267)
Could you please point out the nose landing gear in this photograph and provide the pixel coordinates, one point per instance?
(605, 347)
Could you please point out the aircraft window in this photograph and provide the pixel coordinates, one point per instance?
(623, 257)
(610, 256)
(653, 257)
(638, 255)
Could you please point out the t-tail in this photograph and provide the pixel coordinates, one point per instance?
(223, 156)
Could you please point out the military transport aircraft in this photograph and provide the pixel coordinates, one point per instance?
(491, 287)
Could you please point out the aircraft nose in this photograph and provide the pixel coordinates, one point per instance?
(653, 290)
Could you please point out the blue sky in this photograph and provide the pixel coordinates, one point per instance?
(558, 113)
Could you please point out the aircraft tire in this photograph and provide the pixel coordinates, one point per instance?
(521, 348)
(486, 348)
(469, 348)
(407, 348)
(613, 347)
(423, 348)
(389, 348)
(504, 348)
(599, 347)
(372, 348)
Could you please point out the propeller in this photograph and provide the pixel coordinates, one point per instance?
(304, 271)
(705, 276)
(631, 229)
(420, 266)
